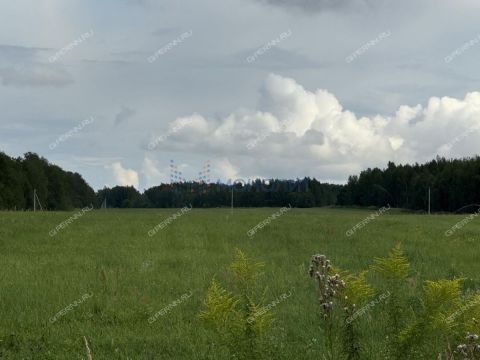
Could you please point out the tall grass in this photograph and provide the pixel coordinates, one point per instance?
(132, 276)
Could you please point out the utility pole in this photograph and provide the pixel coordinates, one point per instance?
(429, 198)
(232, 202)
(104, 203)
(35, 200)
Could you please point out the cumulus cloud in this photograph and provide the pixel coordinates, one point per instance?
(226, 168)
(297, 132)
(153, 176)
(124, 177)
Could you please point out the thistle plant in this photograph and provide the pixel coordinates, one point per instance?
(427, 330)
(470, 350)
(464, 320)
(328, 285)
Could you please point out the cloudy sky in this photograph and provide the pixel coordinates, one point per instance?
(117, 89)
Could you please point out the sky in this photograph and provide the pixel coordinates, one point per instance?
(124, 91)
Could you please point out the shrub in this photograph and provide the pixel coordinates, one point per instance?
(237, 318)
(429, 331)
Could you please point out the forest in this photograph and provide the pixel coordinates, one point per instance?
(260, 193)
(56, 189)
(453, 184)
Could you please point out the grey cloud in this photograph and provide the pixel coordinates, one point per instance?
(13, 53)
(36, 75)
(136, 2)
(95, 160)
(19, 67)
(277, 58)
(313, 5)
(129, 56)
(165, 31)
(106, 62)
(197, 77)
(125, 114)
(314, 137)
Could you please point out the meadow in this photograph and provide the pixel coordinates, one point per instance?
(118, 277)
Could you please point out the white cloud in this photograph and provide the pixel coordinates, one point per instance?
(95, 160)
(153, 176)
(309, 133)
(124, 177)
(226, 168)
(192, 79)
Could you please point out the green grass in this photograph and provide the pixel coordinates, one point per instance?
(132, 276)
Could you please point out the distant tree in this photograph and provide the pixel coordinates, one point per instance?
(55, 188)
(453, 184)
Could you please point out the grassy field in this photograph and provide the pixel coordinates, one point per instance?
(120, 276)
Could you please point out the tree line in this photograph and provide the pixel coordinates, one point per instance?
(56, 189)
(453, 184)
(63, 190)
(259, 193)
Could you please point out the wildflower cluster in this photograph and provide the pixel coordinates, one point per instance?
(328, 285)
(470, 350)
